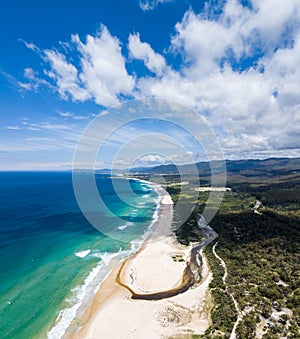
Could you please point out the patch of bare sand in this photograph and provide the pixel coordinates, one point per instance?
(115, 315)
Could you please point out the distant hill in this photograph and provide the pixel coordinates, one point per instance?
(274, 164)
(239, 170)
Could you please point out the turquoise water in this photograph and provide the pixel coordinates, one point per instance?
(51, 259)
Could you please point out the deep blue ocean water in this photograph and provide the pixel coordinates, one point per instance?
(51, 258)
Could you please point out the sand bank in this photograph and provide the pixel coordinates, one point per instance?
(157, 267)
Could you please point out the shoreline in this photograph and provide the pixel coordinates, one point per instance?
(69, 319)
(114, 313)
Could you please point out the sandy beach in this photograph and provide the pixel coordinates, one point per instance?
(156, 268)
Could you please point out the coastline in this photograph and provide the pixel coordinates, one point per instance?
(70, 318)
(157, 266)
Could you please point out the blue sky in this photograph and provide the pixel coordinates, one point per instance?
(237, 63)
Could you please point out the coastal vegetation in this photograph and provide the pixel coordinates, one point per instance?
(258, 224)
(262, 257)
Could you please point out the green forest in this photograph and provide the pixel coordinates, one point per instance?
(261, 249)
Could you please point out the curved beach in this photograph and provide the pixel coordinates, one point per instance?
(143, 297)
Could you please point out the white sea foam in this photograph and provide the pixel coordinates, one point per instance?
(136, 244)
(155, 216)
(107, 257)
(84, 293)
(123, 227)
(82, 254)
(145, 187)
(67, 315)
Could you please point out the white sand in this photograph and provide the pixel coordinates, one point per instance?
(213, 189)
(115, 315)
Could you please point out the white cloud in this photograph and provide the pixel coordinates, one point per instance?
(72, 115)
(151, 158)
(25, 86)
(14, 128)
(143, 51)
(272, 19)
(255, 108)
(66, 77)
(201, 42)
(30, 45)
(238, 30)
(34, 81)
(101, 75)
(241, 67)
(158, 159)
(29, 73)
(147, 5)
(103, 68)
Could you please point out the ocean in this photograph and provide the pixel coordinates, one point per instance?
(51, 259)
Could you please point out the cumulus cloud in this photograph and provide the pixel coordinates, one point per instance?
(143, 51)
(103, 67)
(100, 76)
(201, 42)
(236, 33)
(157, 159)
(152, 158)
(241, 68)
(66, 76)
